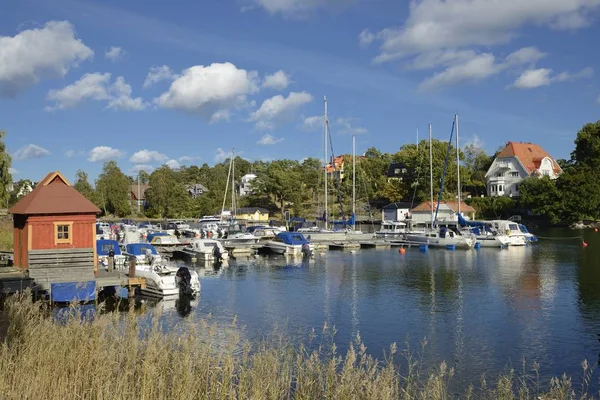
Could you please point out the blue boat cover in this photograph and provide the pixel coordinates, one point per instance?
(85, 312)
(67, 292)
(464, 222)
(291, 238)
(139, 249)
(104, 246)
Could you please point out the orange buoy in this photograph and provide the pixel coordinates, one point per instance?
(585, 244)
(595, 229)
(402, 250)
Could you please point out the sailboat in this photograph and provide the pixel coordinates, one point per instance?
(442, 236)
(233, 234)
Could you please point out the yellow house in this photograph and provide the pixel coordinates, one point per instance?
(252, 214)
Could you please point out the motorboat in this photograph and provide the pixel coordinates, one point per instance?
(484, 234)
(443, 237)
(106, 248)
(391, 230)
(162, 239)
(264, 232)
(207, 250)
(530, 237)
(162, 278)
(511, 229)
(290, 243)
(238, 238)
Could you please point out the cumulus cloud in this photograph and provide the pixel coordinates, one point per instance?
(115, 53)
(313, 123)
(210, 91)
(136, 169)
(535, 78)
(30, 151)
(269, 140)
(104, 153)
(278, 81)
(366, 37)
(187, 159)
(295, 8)
(474, 141)
(346, 126)
(221, 155)
(159, 74)
(98, 87)
(35, 54)
(173, 164)
(12, 171)
(147, 157)
(74, 153)
(279, 109)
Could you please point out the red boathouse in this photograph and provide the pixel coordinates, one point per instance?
(55, 231)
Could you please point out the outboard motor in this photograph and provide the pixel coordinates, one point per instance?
(217, 254)
(306, 251)
(149, 257)
(184, 281)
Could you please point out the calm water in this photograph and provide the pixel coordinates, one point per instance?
(481, 310)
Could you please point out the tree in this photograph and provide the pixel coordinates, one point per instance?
(17, 193)
(542, 196)
(83, 186)
(587, 145)
(167, 196)
(579, 190)
(477, 162)
(281, 180)
(5, 175)
(112, 188)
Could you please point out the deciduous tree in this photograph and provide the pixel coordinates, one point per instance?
(112, 188)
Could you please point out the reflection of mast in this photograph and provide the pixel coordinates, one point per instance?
(354, 306)
(327, 295)
(460, 337)
(433, 309)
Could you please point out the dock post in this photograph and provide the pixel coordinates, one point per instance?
(131, 267)
(111, 261)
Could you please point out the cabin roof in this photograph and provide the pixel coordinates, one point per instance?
(142, 190)
(529, 154)
(453, 205)
(54, 195)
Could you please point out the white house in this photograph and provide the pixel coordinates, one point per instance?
(447, 213)
(246, 185)
(196, 190)
(516, 162)
(396, 212)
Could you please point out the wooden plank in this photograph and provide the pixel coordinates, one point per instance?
(52, 256)
(63, 251)
(76, 261)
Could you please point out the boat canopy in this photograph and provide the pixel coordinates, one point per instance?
(464, 222)
(291, 238)
(104, 246)
(152, 235)
(139, 249)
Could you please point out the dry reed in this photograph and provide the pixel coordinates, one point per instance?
(131, 357)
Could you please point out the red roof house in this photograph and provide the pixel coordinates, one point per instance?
(56, 217)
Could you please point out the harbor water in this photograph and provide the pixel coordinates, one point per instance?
(480, 311)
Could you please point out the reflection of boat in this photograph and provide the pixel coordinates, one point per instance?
(183, 305)
(104, 249)
(207, 249)
(290, 243)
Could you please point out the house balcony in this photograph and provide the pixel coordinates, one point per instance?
(496, 180)
(503, 165)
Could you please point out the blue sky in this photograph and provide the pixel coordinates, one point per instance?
(151, 82)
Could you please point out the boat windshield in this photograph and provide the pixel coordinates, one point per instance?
(523, 228)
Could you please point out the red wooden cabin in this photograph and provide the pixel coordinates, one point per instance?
(54, 216)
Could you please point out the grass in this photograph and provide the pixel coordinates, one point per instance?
(122, 357)
(6, 234)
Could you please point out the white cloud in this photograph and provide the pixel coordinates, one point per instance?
(278, 81)
(173, 164)
(187, 159)
(478, 67)
(147, 157)
(279, 109)
(269, 140)
(136, 169)
(210, 91)
(345, 126)
(12, 171)
(159, 74)
(34, 54)
(313, 123)
(30, 151)
(535, 78)
(366, 37)
(104, 153)
(221, 155)
(474, 141)
(295, 8)
(74, 153)
(96, 86)
(439, 24)
(115, 53)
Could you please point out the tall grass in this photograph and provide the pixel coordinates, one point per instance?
(116, 357)
(6, 234)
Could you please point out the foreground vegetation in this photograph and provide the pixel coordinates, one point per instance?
(111, 357)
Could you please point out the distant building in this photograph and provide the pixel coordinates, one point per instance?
(516, 162)
(447, 212)
(396, 212)
(138, 195)
(246, 185)
(253, 214)
(196, 190)
(397, 171)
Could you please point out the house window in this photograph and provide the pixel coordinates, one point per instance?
(499, 174)
(546, 172)
(63, 232)
(514, 174)
(500, 188)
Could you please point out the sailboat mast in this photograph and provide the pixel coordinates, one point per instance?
(457, 161)
(233, 204)
(353, 181)
(431, 172)
(226, 188)
(326, 123)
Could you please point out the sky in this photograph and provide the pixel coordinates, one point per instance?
(148, 82)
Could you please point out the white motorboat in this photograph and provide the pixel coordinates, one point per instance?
(290, 243)
(391, 230)
(207, 250)
(238, 238)
(106, 248)
(442, 238)
(162, 279)
(511, 230)
(484, 234)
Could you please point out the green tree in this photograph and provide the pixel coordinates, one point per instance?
(477, 162)
(112, 188)
(167, 196)
(5, 175)
(542, 196)
(280, 180)
(579, 190)
(83, 186)
(587, 145)
(17, 193)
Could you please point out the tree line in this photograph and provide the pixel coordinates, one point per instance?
(298, 186)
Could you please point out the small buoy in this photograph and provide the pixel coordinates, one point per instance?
(353, 251)
(402, 250)
(595, 229)
(585, 244)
